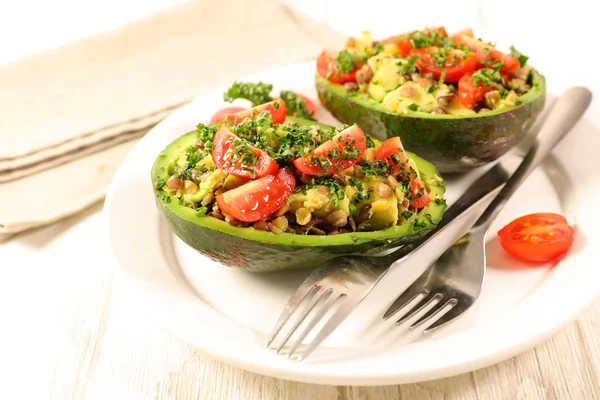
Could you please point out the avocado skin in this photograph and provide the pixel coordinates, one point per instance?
(258, 251)
(452, 143)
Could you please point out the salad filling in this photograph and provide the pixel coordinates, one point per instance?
(429, 71)
(260, 169)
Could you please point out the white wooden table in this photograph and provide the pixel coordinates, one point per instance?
(70, 332)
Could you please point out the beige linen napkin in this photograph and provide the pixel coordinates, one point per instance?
(71, 115)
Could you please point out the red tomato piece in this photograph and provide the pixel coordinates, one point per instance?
(276, 108)
(258, 199)
(327, 68)
(393, 146)
(485, 52)
(420, 197)
(220, 115)
(470, 93)
(223, 157)
(457, 64)
(390, 147)
(310, 105)
(539, 237)
(333, 155)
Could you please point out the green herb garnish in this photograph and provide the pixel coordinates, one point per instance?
(519, 56)
(295, 105)
(257, 93)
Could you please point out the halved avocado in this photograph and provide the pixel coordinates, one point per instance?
(259, 251)
(453, 143)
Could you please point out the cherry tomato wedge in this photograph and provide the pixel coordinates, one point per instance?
(390, 147)
(327, 68)
(470, 93)
(276, 108)
(540, 237)
(385, 152)
(224, 157)
(486, 52)
(258, 199)
(457, 63)
(340, 152)
(220, 115)
(309, 104)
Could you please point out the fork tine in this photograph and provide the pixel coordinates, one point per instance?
(326, 305)
(435, 311)
(338, 316)
(407, 296)
(316, 299)
(454, 312)
(292, 304)
(430, 298)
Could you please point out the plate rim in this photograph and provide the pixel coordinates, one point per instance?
(332, 378)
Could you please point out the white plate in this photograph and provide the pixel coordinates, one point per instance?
(227, 313)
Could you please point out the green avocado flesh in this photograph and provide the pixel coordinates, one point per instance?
(453, 143)
(259, 251)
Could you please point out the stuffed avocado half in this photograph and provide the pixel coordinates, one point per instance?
(302, 210)
(453, 99)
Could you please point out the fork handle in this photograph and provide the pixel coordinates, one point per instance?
(563, 116)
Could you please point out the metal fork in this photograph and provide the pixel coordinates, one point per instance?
(454, 281)
(340, 284)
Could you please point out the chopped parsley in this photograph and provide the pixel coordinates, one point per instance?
(378, 49)
(257, 93)
(201, 211)
(160, 182)
(519, 56)
(439, 200)
(442, 77)
(346, 62)
(421, 39)
(206, 134)
(413, 107)
(375, 168)
(490, 77)
(407, 66)
(352, 208)
(406, 214)
(163, 197)
(336, 191)
(419, 224)
(370, 142)
(193, 157)
(295, 105)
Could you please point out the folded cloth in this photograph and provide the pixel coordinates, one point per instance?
(76, 110)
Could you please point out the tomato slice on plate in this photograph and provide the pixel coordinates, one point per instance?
(276, 108)
(225, 157)
(220, 115)
(338, 153)
(327, 68)
(457, 63)
(386, 152)
(539, 237)
(486, 52)
(258, 199)
(470, 93)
